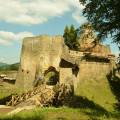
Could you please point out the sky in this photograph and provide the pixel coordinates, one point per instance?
(27, 18)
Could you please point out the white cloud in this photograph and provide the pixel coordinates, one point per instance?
(29, 12)
(79, 18)
(117, 53)
(4, 42)
(7, 38)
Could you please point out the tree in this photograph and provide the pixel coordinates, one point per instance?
(66, 36)
(70, 38)
(118, 63)
(104, 16)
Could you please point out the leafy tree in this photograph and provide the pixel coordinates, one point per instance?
(70, 38)
(104, 16)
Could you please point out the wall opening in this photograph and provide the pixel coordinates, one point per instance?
(66, 64)
(51, 76)
(75, 70)
(100, 59)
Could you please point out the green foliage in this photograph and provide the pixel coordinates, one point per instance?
(7, 67)
(70, 38)
(50, 78)
(118, 63)
(62, 113)
(14, 66)
(104, 16)
(2, 64)
(118, 59)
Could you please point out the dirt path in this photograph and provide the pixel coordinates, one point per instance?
(5, 110)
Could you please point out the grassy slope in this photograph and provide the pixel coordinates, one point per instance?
(7, 89)
(88, 109)
(95, 105)
(101, 93)
(62, 114)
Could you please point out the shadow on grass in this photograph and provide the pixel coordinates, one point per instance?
(114, 82)
(9, 81)
(4, 100)
(88, 106)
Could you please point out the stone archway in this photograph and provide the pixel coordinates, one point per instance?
(51, 76)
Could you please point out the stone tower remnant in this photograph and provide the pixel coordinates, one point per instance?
(47, 59)
(41, 53)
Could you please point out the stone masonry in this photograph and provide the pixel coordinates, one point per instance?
(42, 52)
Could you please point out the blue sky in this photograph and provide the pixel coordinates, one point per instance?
(19, 19)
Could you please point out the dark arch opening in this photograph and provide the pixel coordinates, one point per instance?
(66, 64)
(51, 76)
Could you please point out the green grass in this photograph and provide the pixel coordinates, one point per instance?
(4, 92)
(7, 90)
(100, 93)
(62, 113)
(7, 72)
(93, 101)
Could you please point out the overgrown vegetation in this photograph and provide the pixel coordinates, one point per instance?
(75, 38)
(70, 38)
(104, 16)
(118, 63)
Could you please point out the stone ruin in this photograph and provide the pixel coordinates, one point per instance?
(47, 59)
(52, 74)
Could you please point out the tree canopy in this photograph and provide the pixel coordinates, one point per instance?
(104, 16)
(70, 37)
(75, 38)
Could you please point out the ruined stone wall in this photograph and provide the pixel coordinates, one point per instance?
(94, 85)
(99, 48)
(66, 75)
(41, 52)
(38, 54)
(88, 76)
(94, 73)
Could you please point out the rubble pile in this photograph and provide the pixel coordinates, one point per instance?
(43, 96)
